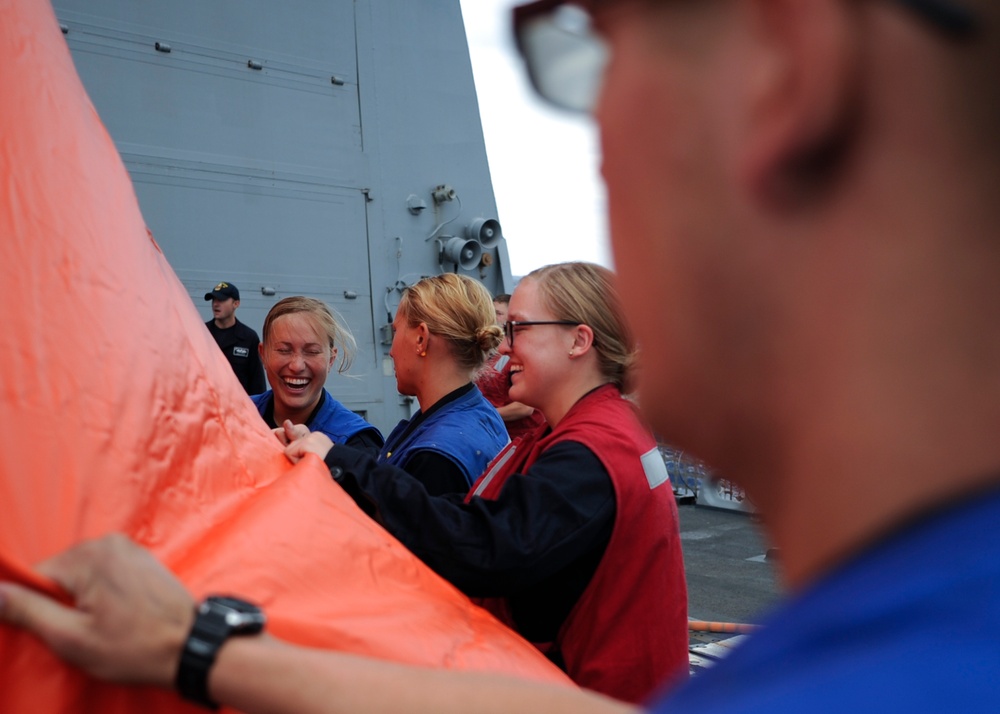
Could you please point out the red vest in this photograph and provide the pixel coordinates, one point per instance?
(628, 633)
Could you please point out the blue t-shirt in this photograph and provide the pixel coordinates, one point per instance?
(911, 625)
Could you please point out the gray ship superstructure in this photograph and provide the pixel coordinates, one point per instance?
(328, 148)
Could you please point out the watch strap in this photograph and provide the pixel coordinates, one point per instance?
(203, 643)
(216, 619)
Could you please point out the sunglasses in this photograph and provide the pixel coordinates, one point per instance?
(565, 57)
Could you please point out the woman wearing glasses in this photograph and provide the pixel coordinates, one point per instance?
(571, 535)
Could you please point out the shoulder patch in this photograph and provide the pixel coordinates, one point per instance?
(654, 468)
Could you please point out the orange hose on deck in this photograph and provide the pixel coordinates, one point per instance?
(729, 628)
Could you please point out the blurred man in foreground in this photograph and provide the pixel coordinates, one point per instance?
(809, 187)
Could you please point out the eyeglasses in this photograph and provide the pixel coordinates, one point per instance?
(509, 327)
(565, 58)
(563, 55)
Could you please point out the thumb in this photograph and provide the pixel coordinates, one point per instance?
(295, 431)
(54, 624)
(280, 435)
(295, 451)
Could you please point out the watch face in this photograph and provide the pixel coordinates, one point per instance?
(243, 617)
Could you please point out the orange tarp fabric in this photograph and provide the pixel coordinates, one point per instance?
(119, 413)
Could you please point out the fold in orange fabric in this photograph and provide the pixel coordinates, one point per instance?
(119, 413)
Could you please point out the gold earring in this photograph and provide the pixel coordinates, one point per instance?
(424, 353)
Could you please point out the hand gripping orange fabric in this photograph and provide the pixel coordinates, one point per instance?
(119, 413)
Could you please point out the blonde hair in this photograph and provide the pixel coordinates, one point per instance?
(326, 319)
(458, 309)
(586, 294)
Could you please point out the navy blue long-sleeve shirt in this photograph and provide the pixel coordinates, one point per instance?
(538, 544)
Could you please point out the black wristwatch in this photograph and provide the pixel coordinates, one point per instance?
(216, 620)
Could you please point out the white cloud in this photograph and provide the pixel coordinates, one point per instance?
(544, 163)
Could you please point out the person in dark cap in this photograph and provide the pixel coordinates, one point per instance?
(239, 343)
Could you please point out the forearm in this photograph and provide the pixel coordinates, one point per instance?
(368, 441)
(514, 411)
(262, 675)
(131, 616)
(560, 513)
(452, 538)
(438, 474)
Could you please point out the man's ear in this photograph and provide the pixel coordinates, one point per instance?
(236, 304)
(801, 101)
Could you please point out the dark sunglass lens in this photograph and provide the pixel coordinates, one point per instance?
(565, 58)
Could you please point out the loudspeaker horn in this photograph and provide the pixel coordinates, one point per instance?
(463, 253)
(485, 230)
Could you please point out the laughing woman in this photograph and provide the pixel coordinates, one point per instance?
(443, 332)
(302, 339)
(571, 535)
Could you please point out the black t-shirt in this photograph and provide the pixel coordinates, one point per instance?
(239, 344)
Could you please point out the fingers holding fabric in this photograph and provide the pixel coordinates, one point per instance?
(130, 617)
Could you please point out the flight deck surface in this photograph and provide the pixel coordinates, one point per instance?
(731, 576)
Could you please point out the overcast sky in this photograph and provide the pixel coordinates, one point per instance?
(544, 162)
